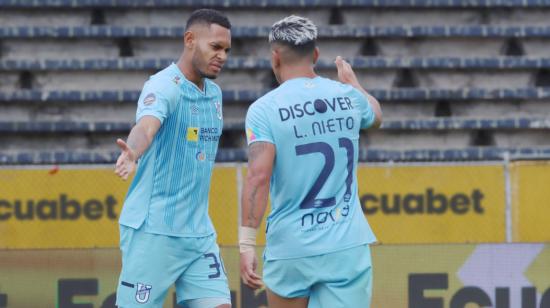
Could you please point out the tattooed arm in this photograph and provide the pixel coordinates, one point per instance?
(261, 156)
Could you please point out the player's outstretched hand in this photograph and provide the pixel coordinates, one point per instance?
(248, 270)
(126, 162)
(345, 72)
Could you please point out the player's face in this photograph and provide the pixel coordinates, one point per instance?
(212, 49)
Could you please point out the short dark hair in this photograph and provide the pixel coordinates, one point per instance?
(208, 17)
(302, 50)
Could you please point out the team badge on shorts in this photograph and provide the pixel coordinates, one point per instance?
(142, 293)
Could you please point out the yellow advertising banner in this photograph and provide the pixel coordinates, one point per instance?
(434, 203)
(79, 208)
(405, 276)
(530, 201)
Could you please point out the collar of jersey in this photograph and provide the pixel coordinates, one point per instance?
(177, 71)
(296, 79)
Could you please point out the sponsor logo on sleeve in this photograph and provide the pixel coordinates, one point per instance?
(250, 135)
(149, 99)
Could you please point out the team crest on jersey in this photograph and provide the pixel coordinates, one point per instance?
(149, 99)
(309, 85)
(176, 80)
(142, 293)
(218, 109)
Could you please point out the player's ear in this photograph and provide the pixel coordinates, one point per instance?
(275, 59)
(315, 55)
(189, 40)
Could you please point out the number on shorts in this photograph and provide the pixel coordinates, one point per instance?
(215, 265)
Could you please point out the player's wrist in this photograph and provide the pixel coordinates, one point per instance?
(247, 239)
(133, 155)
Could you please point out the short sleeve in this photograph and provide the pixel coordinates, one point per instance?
(153, 101)
(257, 125)
(362, 102)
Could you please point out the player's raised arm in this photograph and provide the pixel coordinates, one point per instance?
(138, 141)
(346, 75)
(261, 156)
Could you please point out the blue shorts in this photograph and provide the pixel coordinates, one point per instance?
(333, 280)
(152, 263)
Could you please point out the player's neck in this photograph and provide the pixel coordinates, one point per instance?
(190, 74)
(289, 72)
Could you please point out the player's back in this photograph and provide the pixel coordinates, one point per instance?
(314, 124)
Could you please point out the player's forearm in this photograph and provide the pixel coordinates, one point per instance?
(254, 200)
(253, 205)
(139, 140)
(375, 105)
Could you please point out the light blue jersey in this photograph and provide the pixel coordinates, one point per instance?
(169, 192)
(314, 125)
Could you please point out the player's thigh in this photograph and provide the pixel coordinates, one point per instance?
(291, 278)
(352, 284)
(205, 277)
(276, 301)
(149, 268)
(212, 302)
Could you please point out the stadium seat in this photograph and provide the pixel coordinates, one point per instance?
(473, 31)
(458, 80)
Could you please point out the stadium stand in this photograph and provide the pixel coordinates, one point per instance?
(458, 80)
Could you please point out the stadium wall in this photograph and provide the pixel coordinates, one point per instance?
(452, 235)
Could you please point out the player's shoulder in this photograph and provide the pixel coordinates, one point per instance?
(165, 81)
(212, 84)
(327, 83)
(265, 102)
(213, 88)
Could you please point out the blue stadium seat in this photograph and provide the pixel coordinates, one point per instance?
(92, 157)
(64, 127)
(523, 37)
(230, 96)
(472, 153)
(484, 31)
(249, 63)
(271, 3)
(232, 155)
(454, 123)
